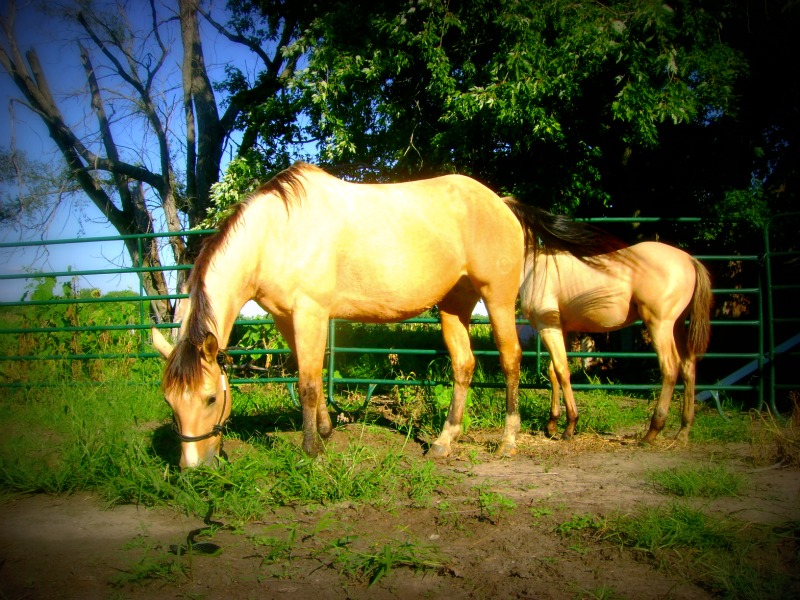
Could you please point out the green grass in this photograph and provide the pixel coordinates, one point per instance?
(728, 558)
(578, 523)
(492, 505)
(162, 568)
(377, 561)
(710, 426)
(702, 481)
(116, 440)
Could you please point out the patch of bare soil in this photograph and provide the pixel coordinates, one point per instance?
(74, 547)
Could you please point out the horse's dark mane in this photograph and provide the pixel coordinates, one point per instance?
(200, 318)
(548, 231)
(184, 366)
(288, 184)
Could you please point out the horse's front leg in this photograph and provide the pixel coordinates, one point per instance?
(504, 327)
(456, 337)
(310, 335)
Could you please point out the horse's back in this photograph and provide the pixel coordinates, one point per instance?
(386, 251)
(610, 291)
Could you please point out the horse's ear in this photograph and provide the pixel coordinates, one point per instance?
(160, 342)
(210, 348)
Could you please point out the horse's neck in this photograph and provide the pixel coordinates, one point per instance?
(227, 284)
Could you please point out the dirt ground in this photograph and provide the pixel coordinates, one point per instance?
(75, 547)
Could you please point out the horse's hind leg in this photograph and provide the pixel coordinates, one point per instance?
(455, 318)
(555, 401)
(688, 373)
(553, 339)
(664, 343)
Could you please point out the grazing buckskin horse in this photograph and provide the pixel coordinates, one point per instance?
(581, 279)
(308, 247)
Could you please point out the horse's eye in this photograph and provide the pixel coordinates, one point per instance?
(212, 399)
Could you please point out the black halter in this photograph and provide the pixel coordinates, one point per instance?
(223, 360)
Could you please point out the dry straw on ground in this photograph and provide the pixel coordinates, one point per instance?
(775, 440)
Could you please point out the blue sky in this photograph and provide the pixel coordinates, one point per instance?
(77, 217)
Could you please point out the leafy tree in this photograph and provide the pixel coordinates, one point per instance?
(617, 107)
(612, 107)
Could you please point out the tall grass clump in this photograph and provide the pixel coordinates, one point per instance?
(725, 557)
(776, 440)
(704, 481)
(66, 438)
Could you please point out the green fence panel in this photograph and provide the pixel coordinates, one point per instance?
(755, 369)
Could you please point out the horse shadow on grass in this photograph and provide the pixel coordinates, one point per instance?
(262, 427)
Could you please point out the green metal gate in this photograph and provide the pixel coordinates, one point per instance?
(766, 367)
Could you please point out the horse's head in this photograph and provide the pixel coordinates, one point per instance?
(196, 387)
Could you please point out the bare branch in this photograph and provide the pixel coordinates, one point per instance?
(238, 38)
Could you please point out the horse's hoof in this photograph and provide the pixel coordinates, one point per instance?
(438, 451)
(567, 437)
(311, 448)
(647, 441)
(682, 438)
(506, 450)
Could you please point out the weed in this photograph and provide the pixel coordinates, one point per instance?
(159, 568)
(537, 512)
(578, 523)
(705, 481)
(493, 504)
(374, 564)
(447, 516)
(422, 479)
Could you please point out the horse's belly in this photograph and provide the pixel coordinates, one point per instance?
(595, 323)
(378, 301)
(597, 320)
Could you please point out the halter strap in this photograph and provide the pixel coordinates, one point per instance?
(217, 429)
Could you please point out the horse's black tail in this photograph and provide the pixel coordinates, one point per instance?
(560, 232)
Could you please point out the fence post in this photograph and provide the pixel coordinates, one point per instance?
(331, 357)
(766, 322)
(143, 333)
